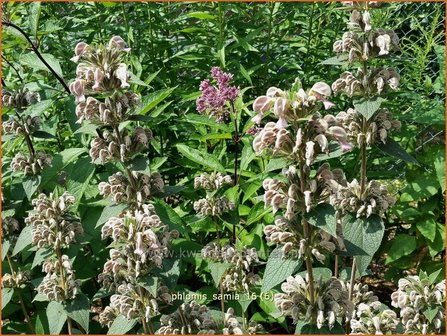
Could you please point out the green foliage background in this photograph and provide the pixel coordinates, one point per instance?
(174, 45)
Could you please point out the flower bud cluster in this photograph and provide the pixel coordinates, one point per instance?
(375, 199)
(189, 319)
(213, 181)
(379, 42)
(100, 68)
(238, 277)
(231, 324)
(15, 280)
(120, 190)
(10, 225)
(140, 243)
(29, 126)
(214, 206)
(214, 99)
(370, 84)
(31, 165)
(53, 223)
(19, 99)
(114, 110)
(291, 106)
(414, 297)
(331, 301)
(377, 128)
(132, 302)
(112, 148)
(307, 143)
(60, 283)
(372, 319)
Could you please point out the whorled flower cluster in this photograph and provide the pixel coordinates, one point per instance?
(31, 165)
(331, 301)
(214, 99)
(120, 190)
(15, 280)
(29, 126)
(378, 43)
(293, 105)
(238, 277)
(100, 68)
(377, 128)
(213, 206)
(309, 141)
(349, 197)
(112, 111)
(140, 243)
(232, 326)
(111, 148)
(52, 222)
(60, 283)
(213, 181)
(19, 99)
(414, 297)
(372, 319)
(130, 302)
(370, 84)
(189, 319)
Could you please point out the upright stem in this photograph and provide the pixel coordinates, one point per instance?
(120, 142)
(19, 294)
(307, 235)
(236, 158)
(64, 283)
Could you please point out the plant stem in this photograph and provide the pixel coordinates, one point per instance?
(19, 294)
(64, 283)
(336, 267)
(12, 66)
(352, 280)
(307, 235)
(236, 140)
(38, 54)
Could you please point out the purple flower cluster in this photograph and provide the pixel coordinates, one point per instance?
(213, 99)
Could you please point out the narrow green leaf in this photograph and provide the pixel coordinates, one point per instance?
(153, 99)
(439, 162)
(6, 244)
(7, 294)
(31, 60)
(201, 15)
(394, 149)
(34, 14)
(203, 159)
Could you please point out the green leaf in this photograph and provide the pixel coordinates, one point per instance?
(109, 212)
(6, 244)
(31, 184)
(31, 60)
(439, 162)
(7, 294)
(336, 60)
(43, 135)
(204, 159)
(153, 99)
(102, 293)
(244, 301)
(276, 164)
(423, 187)
(121, 325)
(201, 15)
(323, 217)
(87, 128)
(221, 56)
(57, 316)
(245, 73)
(246, 157)
(402, 245)
(24, 240)
(367, 108)
(79, 310)
(169, 217)
(365, 234)
(41, 255)
(60, 161)
(79, 176)
(34, 14)
(431, 312)
(427, 227)
(149, 283)
(169, 272)
(217, 270)
(394, 149)
(323, 272)
(278, 269)
(311, 329)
